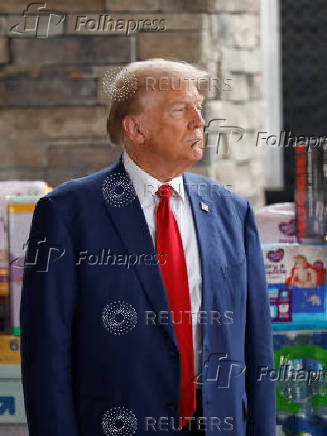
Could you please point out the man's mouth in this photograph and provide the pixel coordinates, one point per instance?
(195, 141)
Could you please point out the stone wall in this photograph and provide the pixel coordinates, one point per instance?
(52, 109)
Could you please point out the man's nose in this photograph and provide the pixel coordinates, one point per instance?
(197, 120)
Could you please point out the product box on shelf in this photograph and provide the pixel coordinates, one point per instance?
(9, 356)
(19, 188)
(9, 350)
(20, 214)
(296, 278)
(11, 389)
(300, 379)
(276, 224)
(311, 192)
(12, 408)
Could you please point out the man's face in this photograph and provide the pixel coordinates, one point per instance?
(174, 124)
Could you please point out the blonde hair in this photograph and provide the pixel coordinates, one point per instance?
(156, 69)
(300, 257)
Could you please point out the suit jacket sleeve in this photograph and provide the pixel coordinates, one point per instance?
(259, 344)
(46, 317)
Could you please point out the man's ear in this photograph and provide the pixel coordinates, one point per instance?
(133, 129)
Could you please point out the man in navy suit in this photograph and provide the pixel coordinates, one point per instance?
(144, 304)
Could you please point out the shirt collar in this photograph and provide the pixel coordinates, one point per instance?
(145, 185)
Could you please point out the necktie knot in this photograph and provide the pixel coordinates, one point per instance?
(165, 192)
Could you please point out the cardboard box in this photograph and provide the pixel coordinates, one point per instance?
(311, 192)
(12, 409)
(296, 278)
(276, 224)
(9, 350)
(300, 376)
(19, 219)
(19, 188)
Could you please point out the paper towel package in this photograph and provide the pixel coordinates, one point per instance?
(276, 224)
(20, 214)
(296, 278)
(19, 188)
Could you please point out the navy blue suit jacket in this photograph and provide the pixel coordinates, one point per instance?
(99, 352)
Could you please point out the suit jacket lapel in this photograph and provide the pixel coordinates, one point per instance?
(207, 224)
(126, 214)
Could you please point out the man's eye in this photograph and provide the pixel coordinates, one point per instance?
(179, 109)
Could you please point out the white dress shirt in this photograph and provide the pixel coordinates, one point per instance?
(146, 187)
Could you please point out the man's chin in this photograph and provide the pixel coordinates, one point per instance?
(197, 153)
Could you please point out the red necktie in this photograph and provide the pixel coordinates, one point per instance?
(174, 272)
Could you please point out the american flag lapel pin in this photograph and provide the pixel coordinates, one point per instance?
(204, 206)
